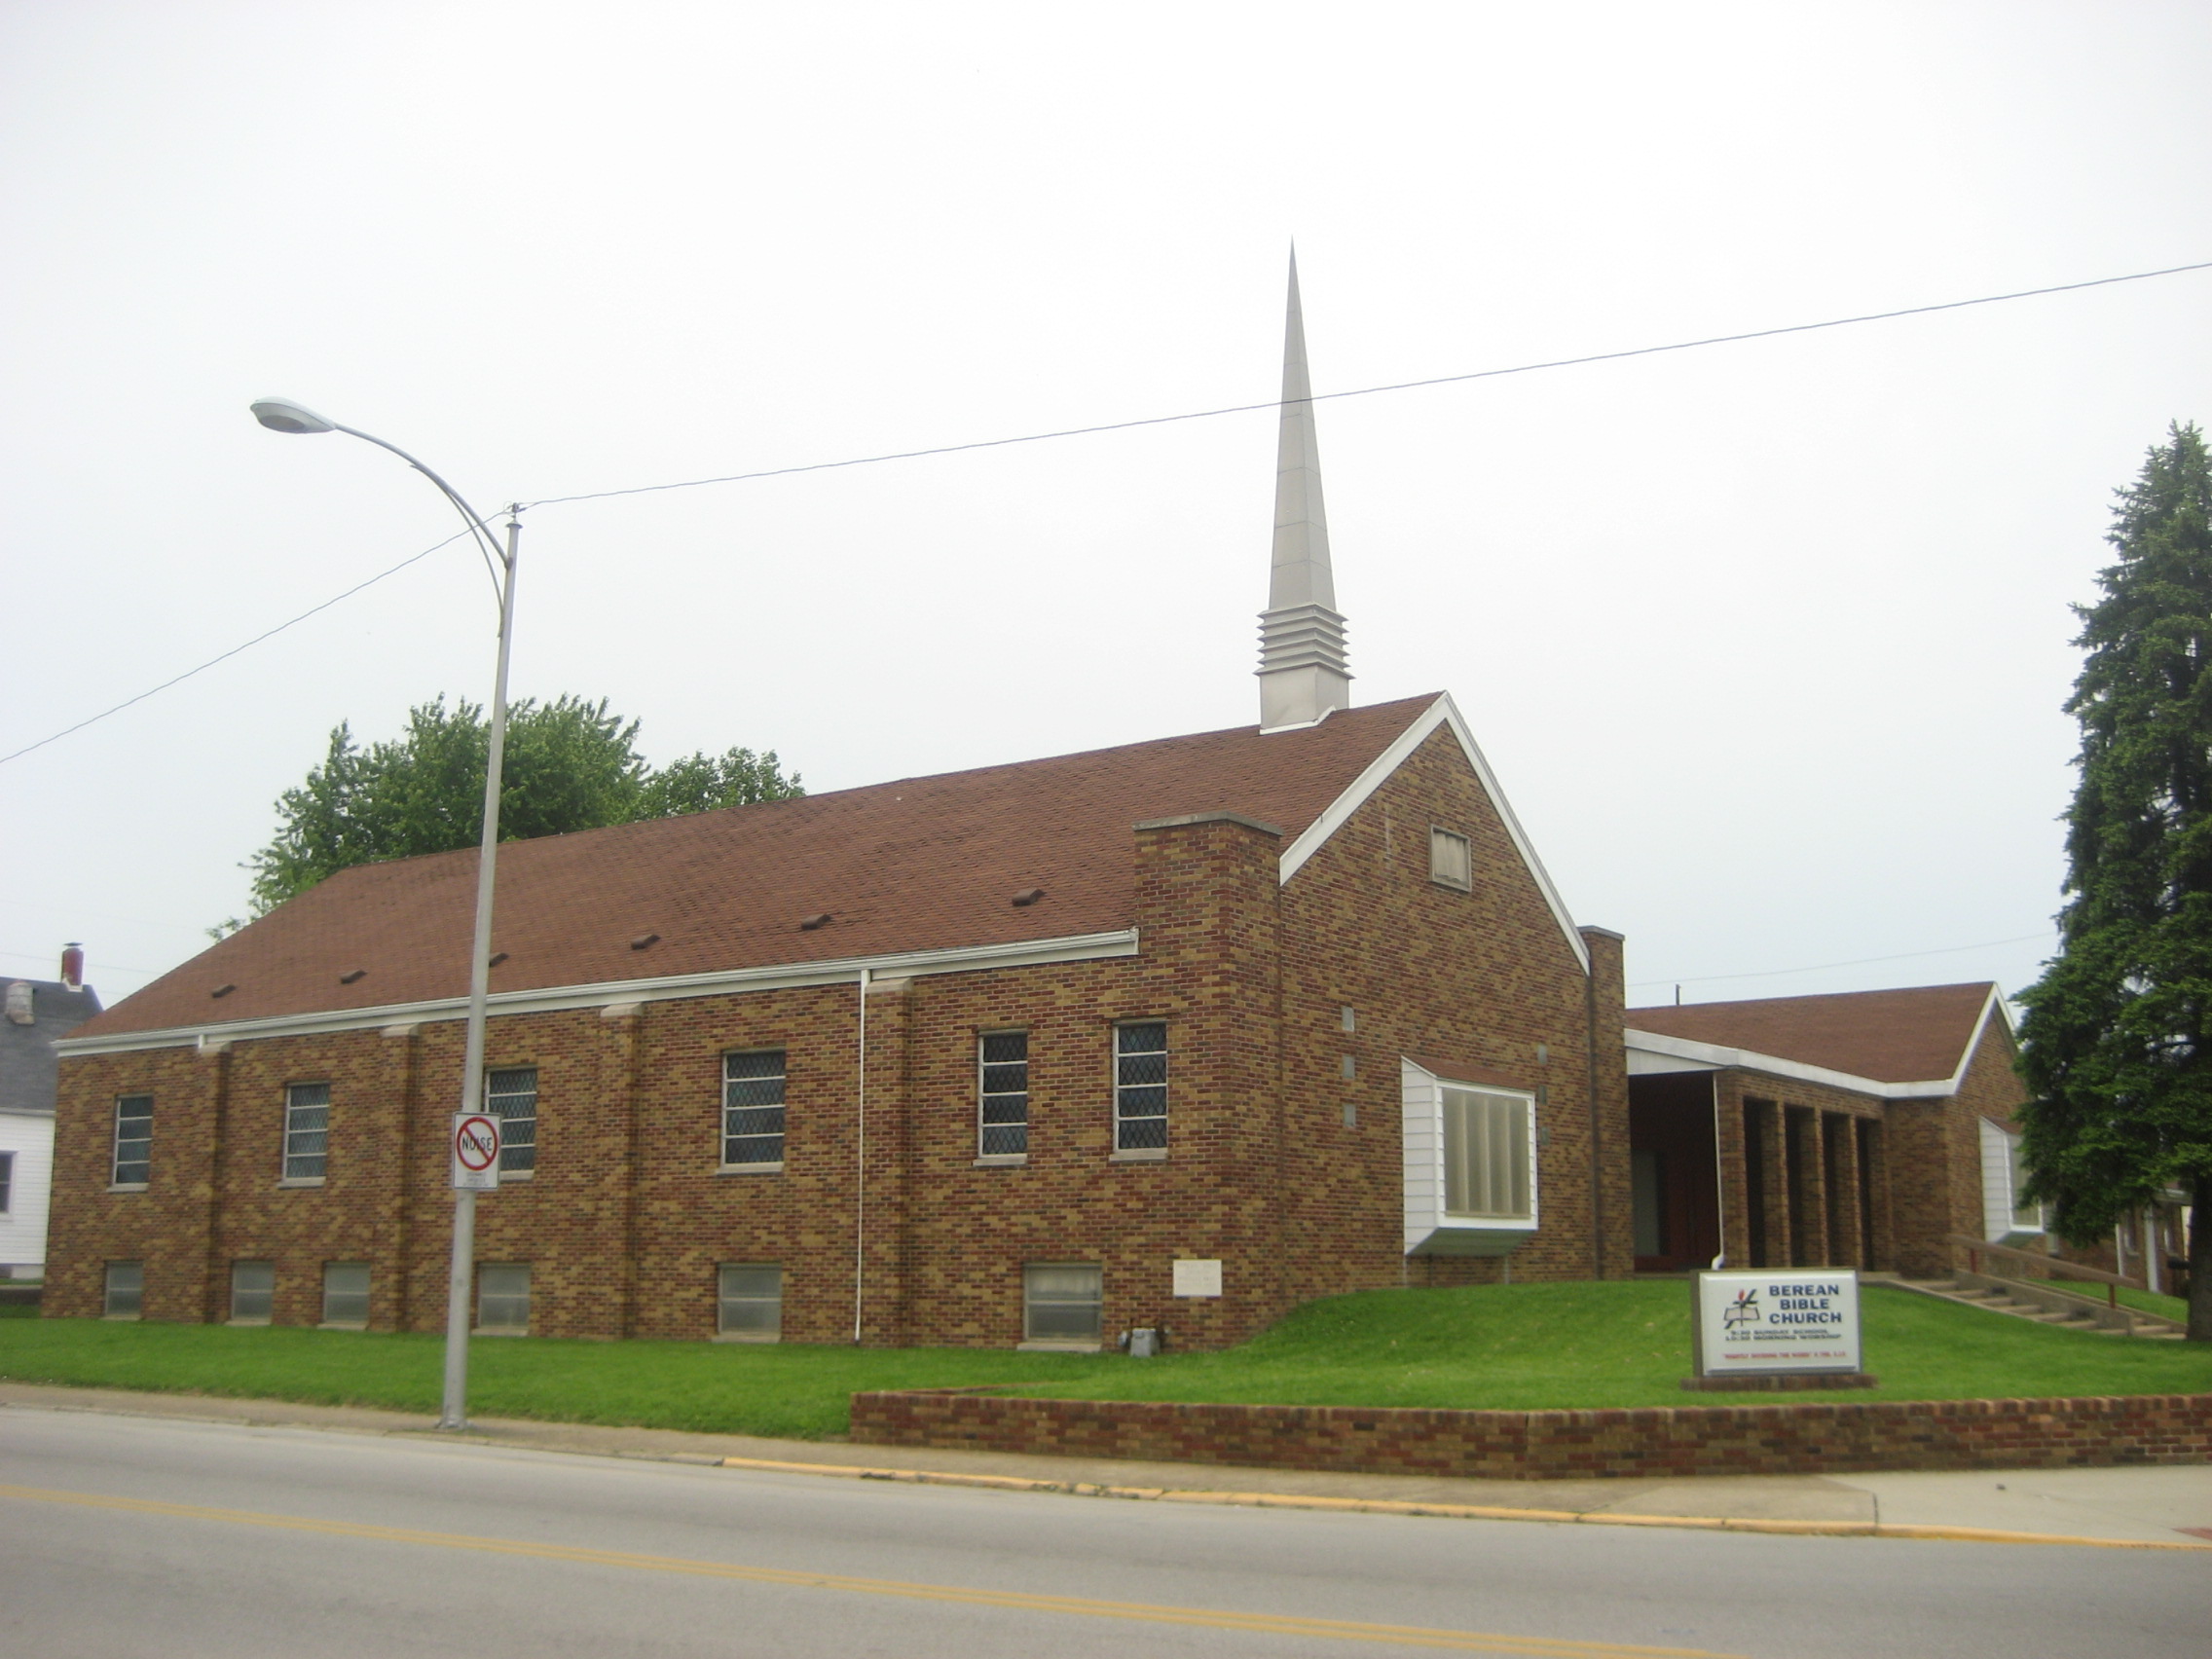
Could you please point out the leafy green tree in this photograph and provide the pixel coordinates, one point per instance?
(568, 766)
(2117, 1043)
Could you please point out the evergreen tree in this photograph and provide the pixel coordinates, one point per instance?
(568, 766)
(2117, 1043)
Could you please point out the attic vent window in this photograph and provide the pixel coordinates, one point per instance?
(1029, 896)
(644, 941)
(222, 990)
(820, 919)
(1451, 861)
(354, 978)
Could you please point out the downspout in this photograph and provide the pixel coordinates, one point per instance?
(860, 1182)
(1719, 1182)
(1597, 1165)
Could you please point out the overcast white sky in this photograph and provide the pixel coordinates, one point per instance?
(1766, 642)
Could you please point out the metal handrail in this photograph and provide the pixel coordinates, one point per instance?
(1977, 1248)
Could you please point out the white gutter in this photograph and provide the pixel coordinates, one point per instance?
(554, 999)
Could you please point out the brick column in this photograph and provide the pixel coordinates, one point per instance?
(389, 1282)
(1808, 1200)
(1846, 1245)
(1612, 1221)
(208, 1299)
(1774, 1173)
(620, 1029)
(1735, 1195)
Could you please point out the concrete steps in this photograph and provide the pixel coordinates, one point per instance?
(2044, 1304)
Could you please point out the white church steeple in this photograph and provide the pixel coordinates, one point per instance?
(1303, 675)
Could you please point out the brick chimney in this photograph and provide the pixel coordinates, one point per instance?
(73, 966)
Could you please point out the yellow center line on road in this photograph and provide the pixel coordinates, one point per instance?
(1340, 1630)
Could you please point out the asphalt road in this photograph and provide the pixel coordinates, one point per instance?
(128, 1536)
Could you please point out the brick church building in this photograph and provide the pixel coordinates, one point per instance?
(1177, 1035)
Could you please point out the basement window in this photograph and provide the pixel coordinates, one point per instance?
(1062, 1303)
(752, 1110)
(345, 1294)
(748, 1303)
(253, 1292)
(1003, 1094)
(1451, 860)
(125, 1290)
(133, 1139)
(502, 1299)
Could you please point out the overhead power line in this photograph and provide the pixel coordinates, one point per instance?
(1372, 391)
(264, 634)
(1854, 962)
(1129, 426)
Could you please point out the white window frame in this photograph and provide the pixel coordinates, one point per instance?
(770, 1330)
(1460, 850)
(267, 1293)
(1431, 1228)
(144, 1140)
(518, 1156)
(1124, 1124)
(2001, 1176)
(294, 1168)
(781, 1105)
(985, 1151)
(1031, 1301)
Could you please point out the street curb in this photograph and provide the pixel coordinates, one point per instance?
(1453, 1511)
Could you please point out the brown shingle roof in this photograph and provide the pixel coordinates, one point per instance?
(922, 863)
(1917, 1035)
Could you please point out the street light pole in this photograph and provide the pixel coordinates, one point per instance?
(283, 416)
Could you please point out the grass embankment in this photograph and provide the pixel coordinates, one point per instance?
(2148, 1302)
(1520, 1347)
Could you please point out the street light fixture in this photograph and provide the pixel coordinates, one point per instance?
(281, 414)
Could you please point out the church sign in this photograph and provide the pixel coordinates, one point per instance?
(1792, 1321)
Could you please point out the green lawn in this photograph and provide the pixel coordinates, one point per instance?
(2151, 1302)
(1520, 1347)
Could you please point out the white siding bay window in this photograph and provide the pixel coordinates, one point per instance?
(1470, 1162)
(2007, 1217)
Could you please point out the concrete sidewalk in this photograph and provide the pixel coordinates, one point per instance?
(2164, 1507)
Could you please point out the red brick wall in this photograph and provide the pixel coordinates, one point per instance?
(627, 1214)
(1797, 1439)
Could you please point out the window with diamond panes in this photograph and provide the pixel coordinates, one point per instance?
(511, 1096)
(1002, 1124)
(133, 1139)
(753, 1108)
(307, 1131)
(253, 1292)
(1140, 1086)
(748, 1302)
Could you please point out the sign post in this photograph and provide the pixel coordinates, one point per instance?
(1789, 1328)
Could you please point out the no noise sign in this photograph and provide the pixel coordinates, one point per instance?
(476, 1151)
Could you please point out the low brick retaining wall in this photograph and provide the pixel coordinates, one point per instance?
(1796, 1439)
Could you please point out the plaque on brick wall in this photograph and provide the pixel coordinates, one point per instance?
(1194, 1277)
(1794, 1321)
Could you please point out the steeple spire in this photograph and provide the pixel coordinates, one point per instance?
(1303, 675)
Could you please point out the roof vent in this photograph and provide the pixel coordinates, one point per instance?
(222, 990)
(820, 919)
(644, 941)
(1029, 896)
(354, 978)
(498, 957)
(20, 1010)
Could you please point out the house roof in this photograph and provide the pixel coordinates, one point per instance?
(920, 863)
(29, 1065)
(1915, 1035)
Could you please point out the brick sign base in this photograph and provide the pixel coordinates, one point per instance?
(1779, 1439)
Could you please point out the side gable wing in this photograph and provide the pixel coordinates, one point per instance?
(1442, 712)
